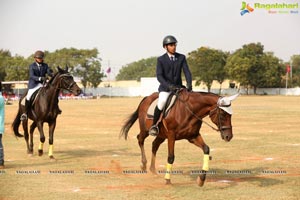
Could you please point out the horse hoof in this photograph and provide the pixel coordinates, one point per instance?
(30, 154)
(153, 171)
(168, 182)
(210, 157)
(200, 181)
(143, 167)
(41, 152)
(52, 158)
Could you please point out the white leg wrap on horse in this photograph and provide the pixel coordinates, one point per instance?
(168, 171)
(50, 153)
(41, 146)
(205, 166)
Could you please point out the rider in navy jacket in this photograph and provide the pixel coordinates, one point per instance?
(37, 73)
(168, 71)
(37, 76)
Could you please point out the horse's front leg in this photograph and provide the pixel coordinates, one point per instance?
(42, 137)
(155, 145)
(52, 126)
(171, 158)
(199, 142)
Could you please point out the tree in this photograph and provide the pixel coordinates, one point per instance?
(84, 63)
(17, 69)
(273, 71)
(207, 65)
(5, 56)
(253, 68)
(138, 69)
(295, 70)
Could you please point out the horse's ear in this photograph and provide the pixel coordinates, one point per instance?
(67, 67)
(226, 101)
(233, 97)
(59, 69)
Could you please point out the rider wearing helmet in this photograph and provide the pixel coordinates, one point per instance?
(37, 76)
(168, 72)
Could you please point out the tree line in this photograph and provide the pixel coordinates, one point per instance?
(250, 66)
(82, 63)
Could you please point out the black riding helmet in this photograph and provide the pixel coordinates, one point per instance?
(39, 54)
(169, 39)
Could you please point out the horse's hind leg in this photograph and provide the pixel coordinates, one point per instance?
(141, 139)
(199, 142)
(26, 135)
(32, 127)
(155, 145)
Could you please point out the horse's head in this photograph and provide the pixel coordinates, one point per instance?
(66, 81)
(221, 116)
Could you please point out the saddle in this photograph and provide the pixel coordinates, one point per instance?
(32, 98)
(170, 103)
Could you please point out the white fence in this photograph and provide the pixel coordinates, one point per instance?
(141, 91)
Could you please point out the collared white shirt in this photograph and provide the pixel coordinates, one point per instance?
(170, 56)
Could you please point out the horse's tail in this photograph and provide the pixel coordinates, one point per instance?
(16, 124)
(130, 121)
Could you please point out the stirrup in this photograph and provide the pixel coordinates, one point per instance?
(154, 131)
(23, 117)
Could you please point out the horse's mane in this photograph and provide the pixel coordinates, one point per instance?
(52, 78)
(209, 93)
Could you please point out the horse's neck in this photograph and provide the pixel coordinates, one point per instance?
(52, 93)
(203, 103)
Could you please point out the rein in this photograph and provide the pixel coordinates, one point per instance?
(192, 113)
(220, 127)
(60, 82)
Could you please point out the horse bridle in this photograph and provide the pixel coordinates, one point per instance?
(220, 127)
(61, 79)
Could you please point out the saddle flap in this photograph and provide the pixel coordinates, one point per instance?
(32, 98)
(170, 102)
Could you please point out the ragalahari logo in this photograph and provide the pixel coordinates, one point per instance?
(246, 8)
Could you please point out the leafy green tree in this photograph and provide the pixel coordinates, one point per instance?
(5, 56)
(138, 69)
(84, 63)
(17, 69)
(295, 70)
(207, 65)
(253, 68)
(273, 71)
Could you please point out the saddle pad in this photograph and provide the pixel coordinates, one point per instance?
(151, 108)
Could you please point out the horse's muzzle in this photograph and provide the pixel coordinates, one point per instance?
(226, 136)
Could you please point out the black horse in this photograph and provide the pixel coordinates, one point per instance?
(45, 109)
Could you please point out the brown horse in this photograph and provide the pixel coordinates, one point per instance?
(183, 121)
(45, 109)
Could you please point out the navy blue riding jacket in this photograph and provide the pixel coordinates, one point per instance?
(169, 72)
(35, 72)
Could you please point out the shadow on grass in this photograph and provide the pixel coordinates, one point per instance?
(79, 153)
(231, 178)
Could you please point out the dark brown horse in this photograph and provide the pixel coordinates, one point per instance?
(45, 109)
(183, 122)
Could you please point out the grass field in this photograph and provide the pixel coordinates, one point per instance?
(262, 161)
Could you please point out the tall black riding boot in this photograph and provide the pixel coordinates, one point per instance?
(154, 129)
(27, 106)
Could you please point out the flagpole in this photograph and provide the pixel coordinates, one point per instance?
(109, 79)
(286, 83)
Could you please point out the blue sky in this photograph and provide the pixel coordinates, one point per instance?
(125, 31)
